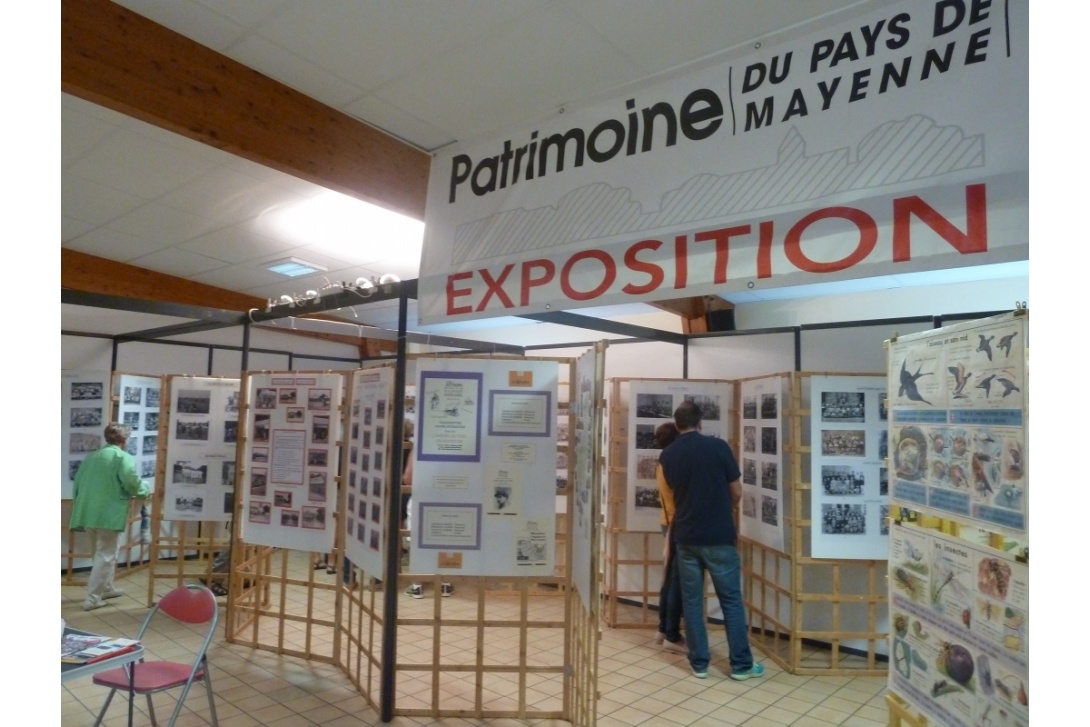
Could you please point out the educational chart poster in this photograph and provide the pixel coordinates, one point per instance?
(138, 405)
(585, 420)
(651, 403)
(369, 438)
(960, 630)
(202, 439)
(762, 462)
(290, 461)
(484, 479)
(85, 411)
(849, 502)
(958, 421)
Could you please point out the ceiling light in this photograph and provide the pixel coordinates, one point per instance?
(293, 267)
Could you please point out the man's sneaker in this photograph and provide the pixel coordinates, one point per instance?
(415, 590)
(113, 593)
(700, 673)
(659, 637)
(92, 604)
(446, 589)
(678, 647)
(754, 671)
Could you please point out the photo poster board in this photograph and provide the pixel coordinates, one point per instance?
(484, 475)
(959, 413)
(585, 415)
(138, 405)
(960, 630)
(293, 419)
(369, 440)
(762, 462)
(849, 487)
(85, 411)
(651, 403)
(202, 444)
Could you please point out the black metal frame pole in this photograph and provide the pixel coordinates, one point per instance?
(393, 525)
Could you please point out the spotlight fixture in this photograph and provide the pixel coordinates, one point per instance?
(287, 300)
(388, 281)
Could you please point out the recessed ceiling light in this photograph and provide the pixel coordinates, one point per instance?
(294, 267)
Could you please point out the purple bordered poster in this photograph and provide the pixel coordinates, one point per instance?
(449, 418)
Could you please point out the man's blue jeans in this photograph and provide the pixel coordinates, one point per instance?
(725, 568)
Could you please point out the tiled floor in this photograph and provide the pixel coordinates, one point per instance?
(640, 684)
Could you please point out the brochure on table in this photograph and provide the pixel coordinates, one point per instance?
(290, 459)
(369, 439)
(202, 441)
(85, 411)
(484, 477)
(959, 618)
(849, 437)
(651, 403)
(138, 406)
(958, 418)
(584, 422)
(761, 461)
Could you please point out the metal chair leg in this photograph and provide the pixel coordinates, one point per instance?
(151, 710)
(105, 706)
(211, 699)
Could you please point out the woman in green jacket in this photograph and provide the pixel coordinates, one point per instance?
(105, 483)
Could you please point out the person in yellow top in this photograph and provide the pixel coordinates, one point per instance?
(105, 484)
(669, 633)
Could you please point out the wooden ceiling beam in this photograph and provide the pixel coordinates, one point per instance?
(116, 58)
(694, 311)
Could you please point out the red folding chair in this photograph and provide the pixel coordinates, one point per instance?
(189, 604)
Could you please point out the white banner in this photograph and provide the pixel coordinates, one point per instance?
(887, 142)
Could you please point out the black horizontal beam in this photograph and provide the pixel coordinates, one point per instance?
(576, 320)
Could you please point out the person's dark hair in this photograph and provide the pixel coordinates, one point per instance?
(687, 415)
(116, 433)
(665, 433)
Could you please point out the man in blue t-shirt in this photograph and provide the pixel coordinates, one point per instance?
(707, 486)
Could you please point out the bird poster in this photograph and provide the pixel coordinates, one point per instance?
(958, 418)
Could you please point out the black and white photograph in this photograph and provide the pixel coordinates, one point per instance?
(770, 510)
(843, 442)
(258, 482)
(380, 409)
(296, 414)
(373, 539)
(883, 481)
(132, 445)
(376, 487)
(87, 390)
(318, 457)
(86, 416)
(316, 487)
(361, 532)
(151, 421)
(282, 498)
(227, 473)
(191, 430)
(265, 398)
(749, 472)
(501, 498)
(260, 454)
(883, 443)
(289, 396)
(843, 519)
(769, 440)
(883, 407)
(645, 436)
(749, 439)
(230, 431)
(749, 505)
(319, 399)
(770, 475)
(260, 512)
(289, 518)
(151, 397)
(190, 473)
(194, 401)
(149, 445)
(770, 408)
(648, 497)
(262, 422)
(132, 395)
(131, 419)
(709, 406)
(73, 468)
(319, 430)
(749, 407)
(842, 479)
(654, 406)
(313, 517)
(147, 469)
(884, 515)
(232, 402)
(380, 436)
(378, 461)
(645, 466)
(376, 513)
(229, 502)
(189, 504)
(843, 406)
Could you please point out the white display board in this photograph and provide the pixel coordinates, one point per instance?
(849, 441)
(293, 426)
(960, 630)
(370, 435)
(959, 410)
(484, 472)
(202, 442)
(139, 404)
(585, 418)
(761, 461)
(85, 411)
(651, 403)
